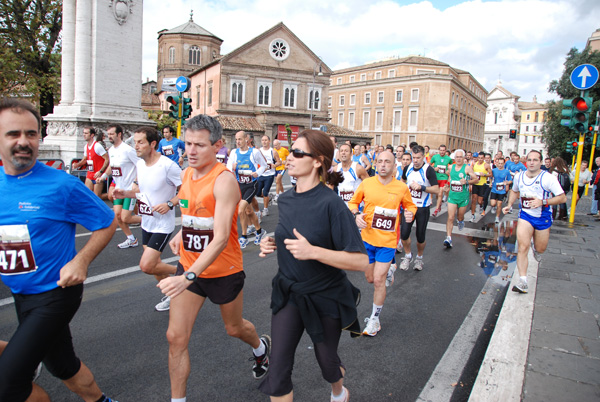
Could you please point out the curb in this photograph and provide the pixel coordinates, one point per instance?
(502, 373)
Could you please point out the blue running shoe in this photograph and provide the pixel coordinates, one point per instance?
(259, 236)
(461, 225)
(243, 242)
(448, 242)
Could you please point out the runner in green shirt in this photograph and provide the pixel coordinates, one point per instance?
(440, 163)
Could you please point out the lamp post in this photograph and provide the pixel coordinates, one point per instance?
(311, 95)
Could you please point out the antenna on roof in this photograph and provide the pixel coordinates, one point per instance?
(191, 15)
(499, 79)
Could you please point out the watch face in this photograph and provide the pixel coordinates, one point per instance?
(190, 276)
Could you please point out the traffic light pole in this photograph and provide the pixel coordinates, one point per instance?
(179, 115)
(576, 182)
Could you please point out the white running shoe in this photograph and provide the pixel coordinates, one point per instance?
(473, 219)
(418, 264)
(493, 210)
(265, 212)
(128, 243)
(497, 221)
(405, 264)
(373, 326)
(164, 304)
(389, 279)
(258, 215)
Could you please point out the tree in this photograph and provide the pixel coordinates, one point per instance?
(554, 135)
(30, 50)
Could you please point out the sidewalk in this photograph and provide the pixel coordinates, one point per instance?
(546, 344)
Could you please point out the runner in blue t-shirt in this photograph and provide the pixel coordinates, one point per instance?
(38, 259)
(502, 179)
(171, 147)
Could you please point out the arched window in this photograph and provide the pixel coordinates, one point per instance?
(237, 92)
(171, 55)
(194, 55)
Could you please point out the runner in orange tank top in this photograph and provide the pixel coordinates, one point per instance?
(211, 259)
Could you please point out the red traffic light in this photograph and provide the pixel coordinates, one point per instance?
(590, 129)
(173, 100)
(580, 104)
(574, 144)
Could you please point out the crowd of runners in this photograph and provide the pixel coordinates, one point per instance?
(364, 201)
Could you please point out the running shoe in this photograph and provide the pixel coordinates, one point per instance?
(493, 210)
(164, 304)
(418, 264)
(444, 198)
(497, 221)
(510, 211)
(448, 242)
(536, 255)
(461, 225)
(436, 212)
(472, 221)
(405, 264)
(251, 229)
(259, 236)
(243, 242)
(346, 397)
(482, 214)
(399, 246)
(261, 363)
(389, 279)
(373, 326)
(128, 243)
(520, 287)
(265, 212)
(258, 216)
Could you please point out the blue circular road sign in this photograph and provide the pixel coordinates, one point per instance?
(584, 76)
(182, 84)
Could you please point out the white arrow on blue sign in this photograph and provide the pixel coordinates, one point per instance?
(584, 76)
(182, 84)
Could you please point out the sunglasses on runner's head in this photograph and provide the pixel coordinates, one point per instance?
(300, 154)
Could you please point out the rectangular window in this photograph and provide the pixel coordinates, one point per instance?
(399, 95)
(209, 94)
(397, 120)
(414, 95)
(528, 117)
(342, 100)
(525, 139)
(290, 94)
(363, 77)
(526, 128)
(380, 97)
(264, 93)
(352, 99)
(351, 120)
(412, 119)
(339, 81)
(329, 101)
(340, 119)
(352, 77)
(368, 98)
(378, 75)
(314, 99)
(198, 97)
(378, 139)
(391, 73)
(395, 140)
(534, 128)
(379, 120)
(413, 138)
(366, 117)
(238, 91)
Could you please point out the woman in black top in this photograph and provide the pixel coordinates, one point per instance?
(316, 239)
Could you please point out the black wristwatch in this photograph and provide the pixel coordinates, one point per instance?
(189, 275)
(357, 213)
(170, 205)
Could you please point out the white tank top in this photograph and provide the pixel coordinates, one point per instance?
(268, 154)
(351, 182)
(420, 198)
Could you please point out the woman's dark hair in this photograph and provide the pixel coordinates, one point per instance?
(559, 165)
(322, 149)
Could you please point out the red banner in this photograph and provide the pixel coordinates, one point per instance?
(282, 133)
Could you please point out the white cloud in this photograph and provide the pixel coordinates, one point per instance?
(524, 41)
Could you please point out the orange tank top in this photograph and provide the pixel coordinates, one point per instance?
(197, 203)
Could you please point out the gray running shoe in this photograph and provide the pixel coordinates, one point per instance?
(405, 264)
(389, 279)
(164, 305)
(520, 287)
(261, 363)
(418, 264)
(536, 255)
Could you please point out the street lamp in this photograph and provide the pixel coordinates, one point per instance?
(311, 95)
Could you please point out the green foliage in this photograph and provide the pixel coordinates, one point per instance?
(161, 119)
(30, 50)
(554, 135)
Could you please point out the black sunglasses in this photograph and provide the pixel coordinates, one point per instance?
(300, 154)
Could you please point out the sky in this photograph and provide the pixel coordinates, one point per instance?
(522, 43)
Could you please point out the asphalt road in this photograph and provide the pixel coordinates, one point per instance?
(121, 338)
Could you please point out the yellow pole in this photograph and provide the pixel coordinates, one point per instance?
(179, 107)
(591, 159)
(576, 182)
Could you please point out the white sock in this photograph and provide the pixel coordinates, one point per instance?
(409, 255)
(178, 399)
(376, 311)
(131, 237)
(419, 257)
(524, 278)
(259, 351)
(339, 398)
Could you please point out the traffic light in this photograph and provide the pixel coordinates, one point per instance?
(574, 144)
(513, 134)
(567, 113)
(174, 108)
(581, 113)
(186, 108)
(570, 147)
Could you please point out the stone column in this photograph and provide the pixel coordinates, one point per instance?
(68, 53)
(83, 54)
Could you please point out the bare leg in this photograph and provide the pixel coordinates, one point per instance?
(84, 385)
(151, 264)
(524, 235)
(235, 325)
